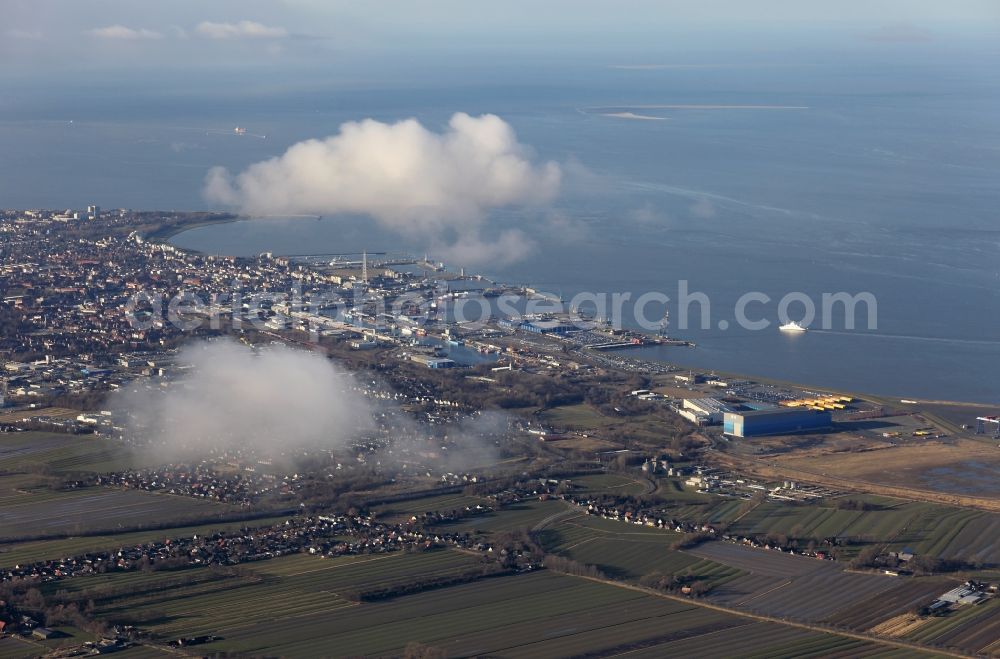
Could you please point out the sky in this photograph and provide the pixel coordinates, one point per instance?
(98, 40)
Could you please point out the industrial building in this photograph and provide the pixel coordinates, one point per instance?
(433, 362)
(820, 403)
(704, 411)
(541, 326)
(756, 423)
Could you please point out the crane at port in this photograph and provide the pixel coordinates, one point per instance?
(665, 324)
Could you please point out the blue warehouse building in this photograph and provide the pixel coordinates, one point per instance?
(779, 421)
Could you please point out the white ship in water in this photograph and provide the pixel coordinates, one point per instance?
(792, 326)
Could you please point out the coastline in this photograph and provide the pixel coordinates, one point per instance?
(166, 232)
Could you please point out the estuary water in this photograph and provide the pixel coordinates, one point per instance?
(809, 179)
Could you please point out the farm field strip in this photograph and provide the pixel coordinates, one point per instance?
(485, 617)
(288, 592)
(928, 528)
(521, 515)
(628, 551)
(79, 510)
(625, 558)
(976, 541)
(52, 412)
(572, 641)
(822, 522)
(439, 503)
(543, 611)
(383, 627)
(715, 510)
(967, 535)
(610, 527)
(820, 595)
(745, 588)
(14, 446)
(952, 524)
(764, 640)
(299, 605)
(761, 561)
(973, 628)
(615, 483)
(368, 571)
(581, 415)
(904, 596)
(790, 590)
(64, 453)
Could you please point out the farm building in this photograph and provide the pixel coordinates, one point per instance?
(757, 423)
(964, 594)
(44, 633)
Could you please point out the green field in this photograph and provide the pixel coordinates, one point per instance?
(674, 490)
(538, 614)
(17, 647)
(972, 628)
(927, 528)
(619, 484)
(303, 605)
(400, 510)
(44, 512)
(523, 515)
(35, 471)
(218, 602)
(576, 417)
(60, 453)
(763, 640)
(627, 551)
(291, 607)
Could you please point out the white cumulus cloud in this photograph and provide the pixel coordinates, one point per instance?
(125, 33)
(240, 30)
(438, 186)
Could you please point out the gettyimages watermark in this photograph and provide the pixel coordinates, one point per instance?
(361, 309)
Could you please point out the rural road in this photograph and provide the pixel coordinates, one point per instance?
(570, 511)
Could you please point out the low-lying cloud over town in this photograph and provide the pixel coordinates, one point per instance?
(272, 400)
(435, 187)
